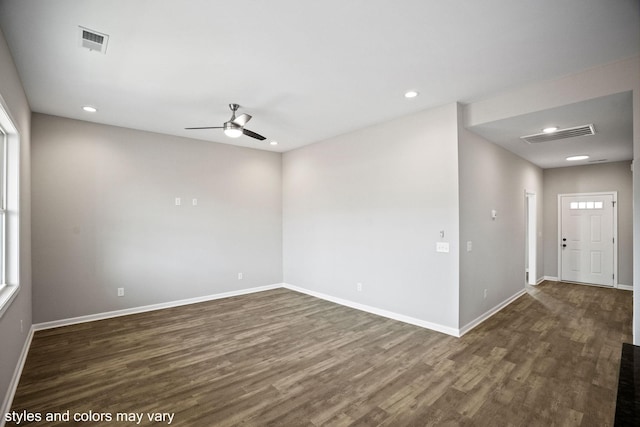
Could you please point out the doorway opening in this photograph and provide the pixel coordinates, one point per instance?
(531, 239)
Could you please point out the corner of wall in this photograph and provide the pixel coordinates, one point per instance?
(16, 322)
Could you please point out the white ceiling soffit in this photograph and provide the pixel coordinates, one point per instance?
(611, 117)
(304, 72)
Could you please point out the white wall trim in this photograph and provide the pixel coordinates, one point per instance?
(625, 287)
(550, 278)
(13, 385)
(145, 308)
(7, 294)
(469, 326)
(377, 311)
(539, 280)
(532, 233)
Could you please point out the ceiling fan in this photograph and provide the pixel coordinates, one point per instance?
(234, 127)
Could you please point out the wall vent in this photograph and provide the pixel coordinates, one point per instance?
(560, 134)
(93, 40)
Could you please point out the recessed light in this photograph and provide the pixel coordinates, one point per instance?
(410, 94)
(89, 109)
(274, 143)
(574, 158)
(550, 129)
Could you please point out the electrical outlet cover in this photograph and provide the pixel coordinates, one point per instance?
(442, 247)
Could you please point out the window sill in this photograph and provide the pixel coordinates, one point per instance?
(7, 294)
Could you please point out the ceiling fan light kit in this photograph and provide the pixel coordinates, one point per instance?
(234, 127)
(232, 130)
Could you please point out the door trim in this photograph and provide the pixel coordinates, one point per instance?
(615, 230)
(531, 222)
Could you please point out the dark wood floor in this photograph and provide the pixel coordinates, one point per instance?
(283, 358)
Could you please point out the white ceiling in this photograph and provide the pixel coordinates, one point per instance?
(306, 70)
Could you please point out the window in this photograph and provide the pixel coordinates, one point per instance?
(586, 205)
(9, 215)
(3, 206)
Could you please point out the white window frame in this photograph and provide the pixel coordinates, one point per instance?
(3, 208)
(9, 211)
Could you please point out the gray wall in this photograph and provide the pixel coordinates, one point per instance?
(494, 178)
(585, 179)
(636, 205)
(368, 207)
(105, 218)
(12, 338)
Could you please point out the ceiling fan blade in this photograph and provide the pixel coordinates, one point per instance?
(206, 127)
(242, 119)
(253, 134)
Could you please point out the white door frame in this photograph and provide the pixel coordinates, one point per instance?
(532, 236)
(615, 230)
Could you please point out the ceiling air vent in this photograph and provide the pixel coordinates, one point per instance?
(559, 134)
(93, 40)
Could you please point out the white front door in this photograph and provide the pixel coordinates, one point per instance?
(587, 238)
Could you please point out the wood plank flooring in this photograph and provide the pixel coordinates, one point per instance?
(278, 357)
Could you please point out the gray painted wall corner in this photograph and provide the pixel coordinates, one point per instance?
(492, 178)
(111, 193)
(368, 207)
(16, 322)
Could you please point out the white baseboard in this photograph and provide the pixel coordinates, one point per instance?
(469, 326)
(377, 311)
(15, 379)
(152, 307)
(618, 286)
(538, 281)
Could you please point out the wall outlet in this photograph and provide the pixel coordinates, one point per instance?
(194, 202)
(442, 247)
(178, 201)
(359, 286)
(239, 276)
(469, 246)
(485, 294)
(120, 292)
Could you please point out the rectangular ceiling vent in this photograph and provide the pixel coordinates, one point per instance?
(560, 134)
(93, 40)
